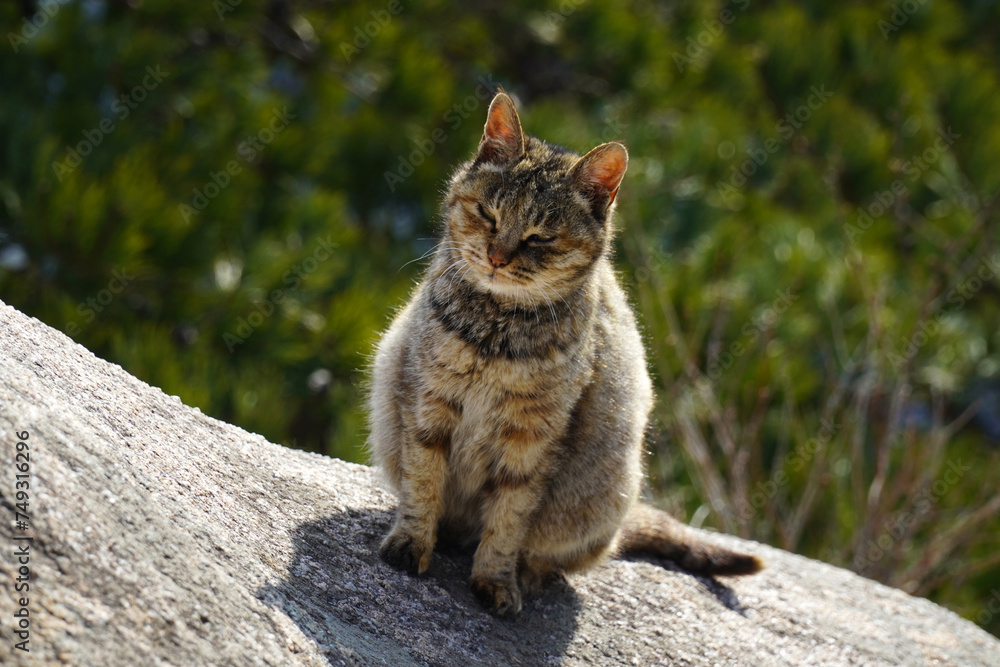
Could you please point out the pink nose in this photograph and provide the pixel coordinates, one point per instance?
(498, 258)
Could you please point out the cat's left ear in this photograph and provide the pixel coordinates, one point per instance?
(503, 140)
(599, 173)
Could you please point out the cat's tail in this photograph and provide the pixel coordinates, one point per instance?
(652, 531)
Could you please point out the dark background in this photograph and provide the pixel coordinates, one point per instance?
(223, 197)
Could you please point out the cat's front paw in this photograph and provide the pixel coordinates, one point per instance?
(501, 596)
(405, 552)
(532, 579)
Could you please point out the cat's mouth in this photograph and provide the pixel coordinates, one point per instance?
(497, 275)
(495, 280)
(501, 282)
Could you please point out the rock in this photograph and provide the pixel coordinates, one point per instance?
(161, 536)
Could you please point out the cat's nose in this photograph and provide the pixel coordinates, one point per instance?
(498, 257)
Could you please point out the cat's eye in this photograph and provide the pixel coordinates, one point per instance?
(486, 216)
(539, 239)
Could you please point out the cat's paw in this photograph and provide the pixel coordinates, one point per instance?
(501, 596)
(405, 552)
(532, 580)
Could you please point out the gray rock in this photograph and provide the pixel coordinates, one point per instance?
(164, 537)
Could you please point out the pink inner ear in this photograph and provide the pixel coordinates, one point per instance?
(499, 126)
(502, 127)
(608, 169)
(502, 138)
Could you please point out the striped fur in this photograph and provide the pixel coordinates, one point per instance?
(509, 398)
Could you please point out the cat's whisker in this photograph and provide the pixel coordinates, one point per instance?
(545, 288)
(468, 269)
(531, 303)
(552, 310)
(457, 273)
(454, 266)
(538, 319)
(427, 254)
(460, 275)
(453, 269)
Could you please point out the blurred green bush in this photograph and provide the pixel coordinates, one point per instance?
(224, 197)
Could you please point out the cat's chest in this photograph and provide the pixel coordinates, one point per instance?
(483, 389)
(488, 408)
(460, 372)
(468, 329)
(492, 395)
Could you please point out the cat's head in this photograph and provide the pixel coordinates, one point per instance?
(526, 220)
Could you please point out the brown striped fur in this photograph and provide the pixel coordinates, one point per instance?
(510, 397)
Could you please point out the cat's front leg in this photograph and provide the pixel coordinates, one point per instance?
(516, 482)
(410, 543)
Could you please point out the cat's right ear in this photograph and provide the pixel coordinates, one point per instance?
(502, 141)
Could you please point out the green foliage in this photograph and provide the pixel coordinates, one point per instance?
(807, 227)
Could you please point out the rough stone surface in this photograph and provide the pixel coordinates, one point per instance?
(164, 537)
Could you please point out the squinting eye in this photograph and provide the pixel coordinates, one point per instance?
(486, 216)
(538, 239)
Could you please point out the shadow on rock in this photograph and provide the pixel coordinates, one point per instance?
(352, 605)
(720, 591)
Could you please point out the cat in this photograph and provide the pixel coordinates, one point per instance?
(509, 398)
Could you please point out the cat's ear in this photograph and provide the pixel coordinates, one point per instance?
(503, 140)
(599, 173)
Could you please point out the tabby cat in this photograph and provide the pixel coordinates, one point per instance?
(509, 398)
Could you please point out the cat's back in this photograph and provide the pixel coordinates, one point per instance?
(618, 329)
(621, 383)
